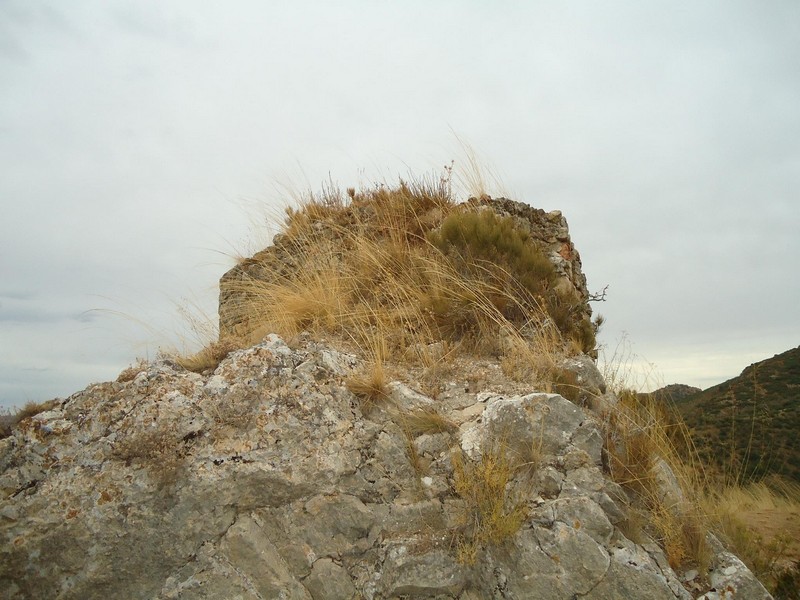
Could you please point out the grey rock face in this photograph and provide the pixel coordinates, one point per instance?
(592, 393)
(421, 573)
(730, 578)
(265, 480)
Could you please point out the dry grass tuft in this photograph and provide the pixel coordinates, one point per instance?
(641, 452)
(206, 359)
(7, 422)
(31, 409)
(369, 386)
(422, 420)
(416, 422)
(565, 383)
(236, 409)
(10, 420)
(761, 524)
(418, 463)
(131, 372)
(157, 449)
(491, 514)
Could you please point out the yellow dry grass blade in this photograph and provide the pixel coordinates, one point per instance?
(491, 515)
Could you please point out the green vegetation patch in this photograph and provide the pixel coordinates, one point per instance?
(521, 278)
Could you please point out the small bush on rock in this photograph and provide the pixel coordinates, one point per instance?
(10, 420)
(491, 515)
(494, 249)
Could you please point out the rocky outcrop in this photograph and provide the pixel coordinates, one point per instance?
(548, 230)
(266, 479)
(675, 392)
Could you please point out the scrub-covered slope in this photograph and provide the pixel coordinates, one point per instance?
(748, 425)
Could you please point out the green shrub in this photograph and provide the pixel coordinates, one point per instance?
(486, 245)
(494, 250)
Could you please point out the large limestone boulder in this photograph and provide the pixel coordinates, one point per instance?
(265, 479)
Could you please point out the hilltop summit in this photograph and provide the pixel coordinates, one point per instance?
(402, 403)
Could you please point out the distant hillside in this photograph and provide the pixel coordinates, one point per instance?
(675, 392)
(749, 425)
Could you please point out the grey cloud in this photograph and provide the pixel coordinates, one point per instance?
(43, 315)
(88, 316)
(669, 139)
(20, 19)
(158, 25)
(16, 295)
(27, 307)
(10, 48)
(26, 316)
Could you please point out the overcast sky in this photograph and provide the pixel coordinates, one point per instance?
(140, 141)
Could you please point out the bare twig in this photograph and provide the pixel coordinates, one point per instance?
(599, 296)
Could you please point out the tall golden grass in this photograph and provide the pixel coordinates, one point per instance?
(364, 270)
(646, 451)
(491, 513)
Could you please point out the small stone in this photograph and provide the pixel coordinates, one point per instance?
(329, 581)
